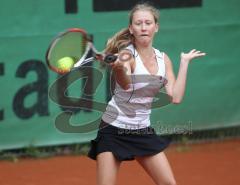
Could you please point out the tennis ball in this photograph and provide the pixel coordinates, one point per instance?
(65, 63)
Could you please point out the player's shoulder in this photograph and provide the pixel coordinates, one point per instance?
(167, 60)
(159, 53)
(163, 55)
(130, 48)
(128, 54)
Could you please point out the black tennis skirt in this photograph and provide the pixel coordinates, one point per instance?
(126, 144)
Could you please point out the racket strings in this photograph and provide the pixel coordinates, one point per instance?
(73, 48)
(87, 56)
(87, 60)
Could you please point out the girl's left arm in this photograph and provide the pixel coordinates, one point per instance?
(176, 86)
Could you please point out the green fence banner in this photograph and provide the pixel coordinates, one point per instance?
(41, 108)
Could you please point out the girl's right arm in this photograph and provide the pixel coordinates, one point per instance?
(123, 69)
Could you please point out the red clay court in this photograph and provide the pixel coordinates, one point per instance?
(214, 163)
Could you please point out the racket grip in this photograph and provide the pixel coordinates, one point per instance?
(110, 58)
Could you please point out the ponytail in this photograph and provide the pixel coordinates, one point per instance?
(119, 41)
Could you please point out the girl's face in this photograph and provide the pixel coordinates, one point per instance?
(143, 27)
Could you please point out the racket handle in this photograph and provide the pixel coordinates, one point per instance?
(110, 58)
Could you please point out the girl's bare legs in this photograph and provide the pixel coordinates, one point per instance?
(107, 168)
(157, 166)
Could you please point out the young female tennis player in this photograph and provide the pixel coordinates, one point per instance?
(125, 132)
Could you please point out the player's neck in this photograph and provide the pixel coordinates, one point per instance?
(146, 52)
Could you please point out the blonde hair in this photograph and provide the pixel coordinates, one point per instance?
(123, 38)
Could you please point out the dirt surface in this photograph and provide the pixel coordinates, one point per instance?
(216, 163)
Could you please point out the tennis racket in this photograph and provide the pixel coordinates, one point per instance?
(72, 49)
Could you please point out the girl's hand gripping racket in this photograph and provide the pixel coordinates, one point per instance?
(71, 49)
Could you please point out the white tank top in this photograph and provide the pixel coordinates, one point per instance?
(131, 109)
